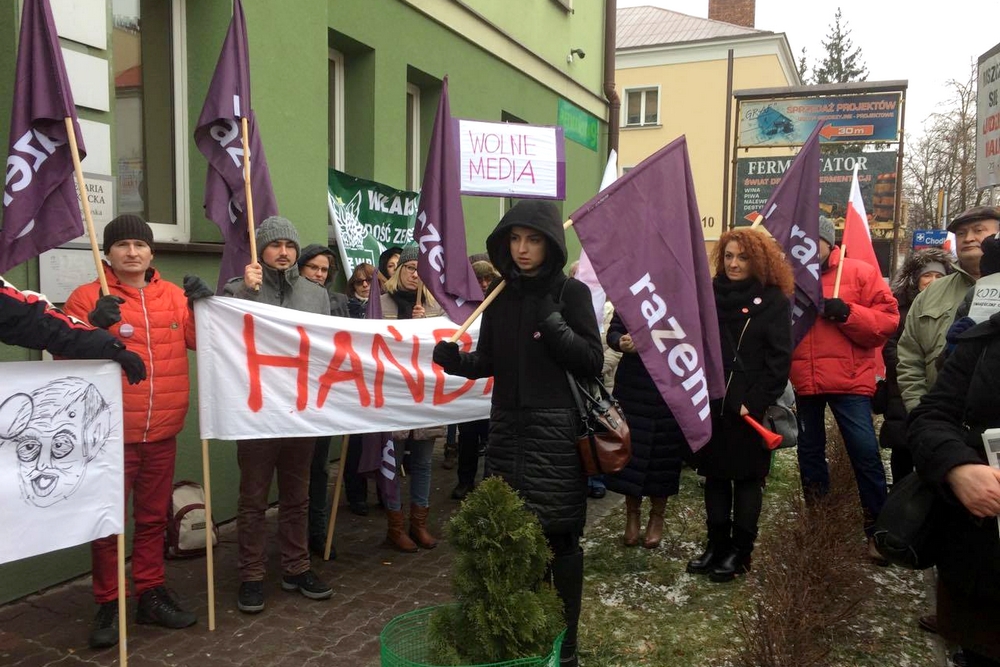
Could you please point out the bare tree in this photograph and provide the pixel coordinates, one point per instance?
(943, 158)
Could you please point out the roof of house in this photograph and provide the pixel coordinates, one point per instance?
(645, 26)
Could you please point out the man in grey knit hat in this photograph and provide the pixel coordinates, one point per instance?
(275, 280)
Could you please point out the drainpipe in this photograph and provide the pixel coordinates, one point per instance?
(614, 102)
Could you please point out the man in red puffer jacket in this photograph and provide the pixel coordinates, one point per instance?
(835, 365)
(153, 318)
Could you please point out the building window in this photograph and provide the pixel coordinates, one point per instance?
(413, 174)
(336, 110)
(642, 107)
(150, 114)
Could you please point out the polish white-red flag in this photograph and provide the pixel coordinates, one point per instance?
(857, 241)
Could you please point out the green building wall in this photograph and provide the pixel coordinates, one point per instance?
(386, 44)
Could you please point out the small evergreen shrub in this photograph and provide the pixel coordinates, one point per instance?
(505, 609)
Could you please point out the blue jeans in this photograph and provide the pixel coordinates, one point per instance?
(854, 418)
(418, 471)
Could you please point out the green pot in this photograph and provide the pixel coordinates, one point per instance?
(404, 643)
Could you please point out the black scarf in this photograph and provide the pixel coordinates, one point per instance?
(732, 296)
(405, 301)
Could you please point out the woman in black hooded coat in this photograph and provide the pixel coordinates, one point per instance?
(541, 325)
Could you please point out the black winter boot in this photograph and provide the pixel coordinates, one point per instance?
(719, 543)
(567, 577)
(737, 559)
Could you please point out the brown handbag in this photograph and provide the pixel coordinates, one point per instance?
(605, 443)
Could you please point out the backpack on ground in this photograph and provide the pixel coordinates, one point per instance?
(186, 522)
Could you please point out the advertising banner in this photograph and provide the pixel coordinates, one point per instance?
(988, 119)
(847, 118)
(368, 217)
(270, 372)
(757, 177)
(61, 461)
(512, 160)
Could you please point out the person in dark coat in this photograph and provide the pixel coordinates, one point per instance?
(654, 471)
(919, 270)
(318, 264)
(945, 438)
(752, 286)
(540, 326)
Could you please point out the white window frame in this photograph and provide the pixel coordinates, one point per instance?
(337, 127)
(181, 231)
(642, 107)
(414, 167)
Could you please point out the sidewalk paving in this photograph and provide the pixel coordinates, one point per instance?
(371, 585)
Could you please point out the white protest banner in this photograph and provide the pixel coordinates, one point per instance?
(988, 119)
(512, 159)
(985, 298)
(265, 371)
(61, 455)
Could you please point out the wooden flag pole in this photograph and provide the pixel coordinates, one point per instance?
(757, 222)
(489, 299)
(337, 487)
(840, 271)
(105, 290)
(209, 534)
(249, 189)
(78, 170)
(122, 607)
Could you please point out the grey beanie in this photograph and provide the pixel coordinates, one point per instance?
(277, 228)
(409, 254)
(827, 232)
(936, 267)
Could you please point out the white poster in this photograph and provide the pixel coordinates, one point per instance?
(988, 119)
(985, 298)
(61, 455)
(265, 371)
(991, 442)
(512, 160)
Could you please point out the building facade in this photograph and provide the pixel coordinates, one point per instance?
(348, 84)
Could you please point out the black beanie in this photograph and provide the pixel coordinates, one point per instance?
(127, 226)
(383, 259)
(989, 263)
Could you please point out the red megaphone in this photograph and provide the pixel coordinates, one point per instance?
(771, 439)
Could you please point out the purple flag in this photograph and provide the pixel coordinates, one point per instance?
(443, 262)
(41, 209)
(643, 236)
(220, 139)
(791, 215)
(378, 452)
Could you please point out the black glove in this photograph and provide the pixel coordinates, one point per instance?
(132, 364)
(547, 306)
(446, 355)
(836, 310)
(195, 288)
(106, 311)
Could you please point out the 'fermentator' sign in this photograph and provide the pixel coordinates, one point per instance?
(512, 160)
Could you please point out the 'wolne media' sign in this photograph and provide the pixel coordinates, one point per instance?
(512, 160)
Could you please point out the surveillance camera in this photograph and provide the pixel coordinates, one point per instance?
(578, 52)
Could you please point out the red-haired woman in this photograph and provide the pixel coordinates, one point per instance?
(752, 286)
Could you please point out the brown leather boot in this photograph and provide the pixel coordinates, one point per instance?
(633, 505)
(654, 529)
(418, 527)
(396, 537)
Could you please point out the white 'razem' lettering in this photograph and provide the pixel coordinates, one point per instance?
(21, 169)
(682, 358)
(430, 245)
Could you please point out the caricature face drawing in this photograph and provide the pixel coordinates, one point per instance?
(55, 432)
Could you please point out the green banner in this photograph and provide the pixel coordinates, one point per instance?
(368, 217)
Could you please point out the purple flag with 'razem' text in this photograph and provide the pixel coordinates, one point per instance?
(443, 261)
(378, 451)
(791, 216)
(220, 139)
(41, 209)
(643, 236)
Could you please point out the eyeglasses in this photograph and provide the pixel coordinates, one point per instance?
(363, 281)
(412, 268)
(317, 268)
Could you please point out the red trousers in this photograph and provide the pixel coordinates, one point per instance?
(149, 478)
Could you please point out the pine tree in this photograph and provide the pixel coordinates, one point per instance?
(843, 61)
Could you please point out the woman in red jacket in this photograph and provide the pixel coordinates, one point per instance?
(153, 319)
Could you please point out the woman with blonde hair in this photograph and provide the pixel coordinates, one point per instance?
(752, 285)
(406, 298)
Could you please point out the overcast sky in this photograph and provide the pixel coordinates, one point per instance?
(926, 44)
